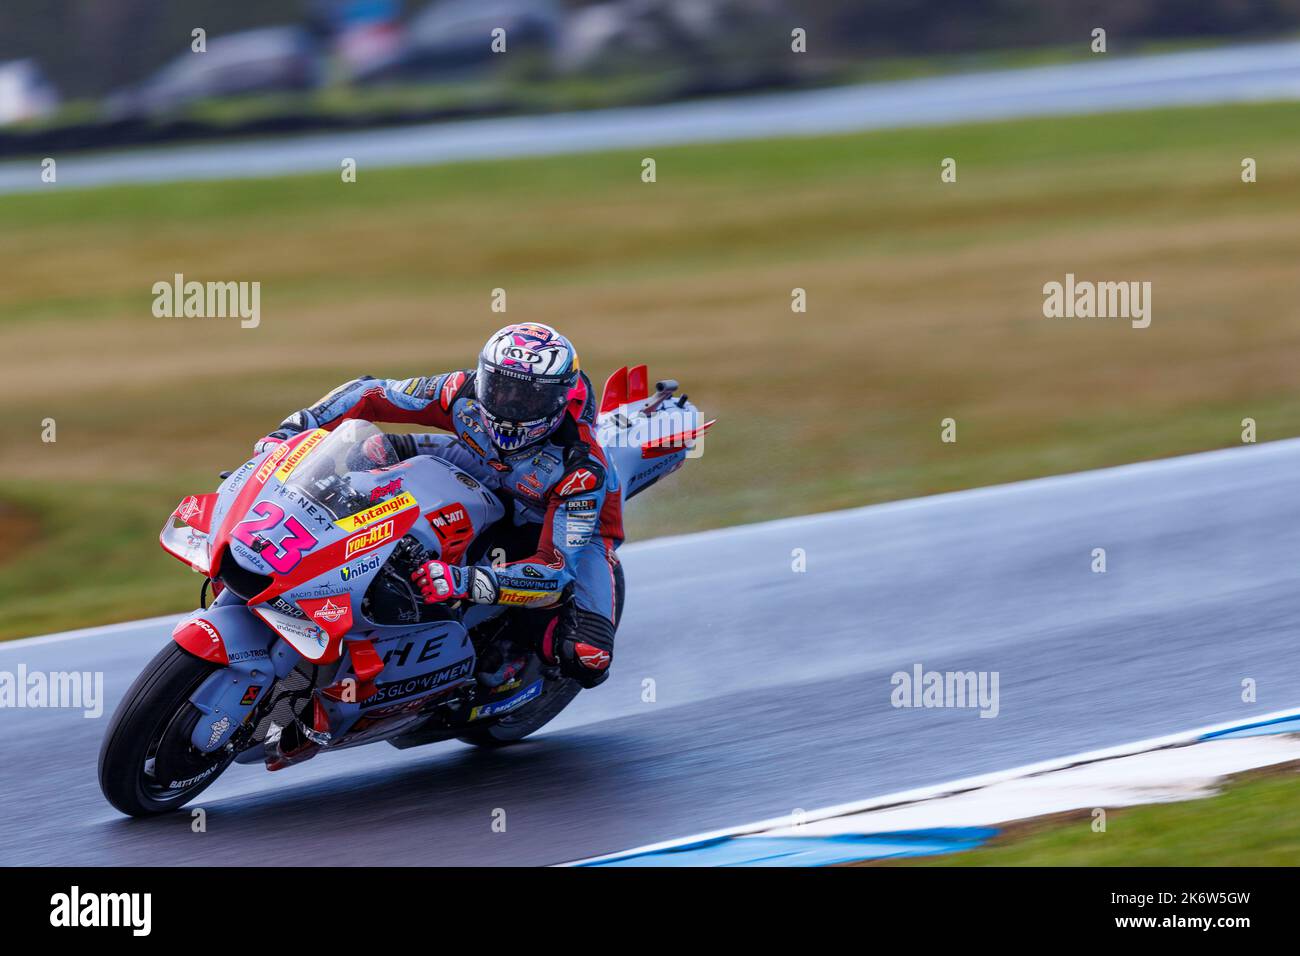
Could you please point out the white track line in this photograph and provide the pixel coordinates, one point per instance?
(101, 631)
(1280, 447)
(946, 789)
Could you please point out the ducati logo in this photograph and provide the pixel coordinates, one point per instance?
(206, 627)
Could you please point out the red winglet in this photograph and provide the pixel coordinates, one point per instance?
(367, 665)
(366, 662)
(196, 511)
(615, 393)
(667, 445)
(638, 383)
(320, 720)
(333, 613)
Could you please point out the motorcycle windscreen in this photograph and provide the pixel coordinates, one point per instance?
(337, 470)
(336, 502)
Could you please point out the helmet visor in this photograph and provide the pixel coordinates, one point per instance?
(518, 396)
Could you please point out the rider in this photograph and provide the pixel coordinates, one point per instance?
(523, 421)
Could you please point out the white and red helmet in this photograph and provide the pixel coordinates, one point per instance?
(525, 374)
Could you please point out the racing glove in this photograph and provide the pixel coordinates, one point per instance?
(291, 426)
(271, 440)
(439, 581)
(383, 450)
(295, 424)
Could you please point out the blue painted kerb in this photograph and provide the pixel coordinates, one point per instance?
(809, 850)
(853, 847)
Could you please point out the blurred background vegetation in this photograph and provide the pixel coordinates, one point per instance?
(924, 302)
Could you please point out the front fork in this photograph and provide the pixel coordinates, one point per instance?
(254, 658)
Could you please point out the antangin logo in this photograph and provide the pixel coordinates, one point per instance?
(384, 509)
(513, 596)
(300, 451)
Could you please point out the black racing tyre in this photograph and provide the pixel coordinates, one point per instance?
(515, 726)
(556, 694)
(147, 764)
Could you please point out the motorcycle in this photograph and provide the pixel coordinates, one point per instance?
(316, 640)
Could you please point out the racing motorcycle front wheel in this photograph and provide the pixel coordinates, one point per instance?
(147, 764)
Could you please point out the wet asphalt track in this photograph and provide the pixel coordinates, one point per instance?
(773, 688)
(1112, 81)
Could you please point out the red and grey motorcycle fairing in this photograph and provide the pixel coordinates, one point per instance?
(317, 639)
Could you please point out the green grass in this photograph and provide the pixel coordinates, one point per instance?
(924, 302)
(1254, 822)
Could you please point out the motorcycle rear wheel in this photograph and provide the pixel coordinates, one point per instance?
(147, 764)
(514, 727)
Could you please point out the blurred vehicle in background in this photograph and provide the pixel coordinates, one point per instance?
(25, 93)
(366, 36)
(281, 66)
(455, 36)
(270, 60)
(651, 34)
